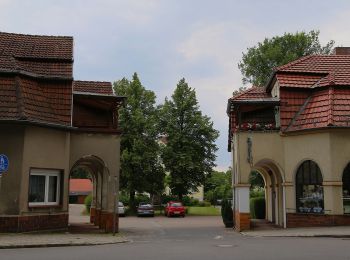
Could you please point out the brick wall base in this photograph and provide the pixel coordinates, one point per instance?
(316, 220)
(33, 223)
(106, 221)
(92, 215)
(242, 221)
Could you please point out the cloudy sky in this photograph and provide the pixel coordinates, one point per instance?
(165, 40)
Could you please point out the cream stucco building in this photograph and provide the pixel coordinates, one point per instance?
(295, 133)
(50, 125)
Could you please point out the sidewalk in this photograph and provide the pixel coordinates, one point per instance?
(57, 239)
(339, 231)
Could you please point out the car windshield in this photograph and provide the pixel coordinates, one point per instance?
(177, 204)
(146, 206)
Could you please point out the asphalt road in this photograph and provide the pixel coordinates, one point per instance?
(194, 238)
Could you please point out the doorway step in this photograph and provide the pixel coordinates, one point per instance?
(262, 224)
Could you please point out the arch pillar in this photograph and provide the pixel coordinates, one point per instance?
(241, 206)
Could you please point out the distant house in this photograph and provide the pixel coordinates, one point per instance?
(295, 132)
(79, 189)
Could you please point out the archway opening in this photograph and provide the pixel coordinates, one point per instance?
(257, 200)
(87, 194)
(80, 195)
(273, 189)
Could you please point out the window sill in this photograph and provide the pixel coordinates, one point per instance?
(44, 206)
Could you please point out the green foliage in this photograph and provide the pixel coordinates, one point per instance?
(258, 62)
(167, 198)
(218, 186)
(227, 213)
(203, 211)
(87, 202)
(257, 208)
(204, 204)
(189, 154)
(257, 192)
(141, 169)
(80, 173)
(256, 179)
(189, 201)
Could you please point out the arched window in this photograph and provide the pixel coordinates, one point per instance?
(309, 190)
(346, 189)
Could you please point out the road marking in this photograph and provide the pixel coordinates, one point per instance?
(218, 237)
(225, 245)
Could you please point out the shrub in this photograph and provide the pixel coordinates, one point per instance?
(257, 192)
(87, 202)
(257, 208)
(204, 204)
(227, 213)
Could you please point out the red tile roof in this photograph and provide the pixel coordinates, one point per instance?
(26, 61)
(314, 92)
(252, 93)
(80, 185)
(36, 46)
(324, 108)
(325, 103)
(96, 87)
(297, 80)
(45, 56)
(335, 67)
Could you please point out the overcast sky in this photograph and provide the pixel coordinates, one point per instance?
(164, 41)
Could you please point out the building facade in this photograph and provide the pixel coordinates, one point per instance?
(295, 133)
(50, 125)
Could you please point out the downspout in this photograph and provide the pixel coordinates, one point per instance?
(284, 207)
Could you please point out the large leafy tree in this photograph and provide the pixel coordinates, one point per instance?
(189, 153)
(259, 61)
(218, 186)
(141, 168)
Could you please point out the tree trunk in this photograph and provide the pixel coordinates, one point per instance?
(132, 201)
(180, 195)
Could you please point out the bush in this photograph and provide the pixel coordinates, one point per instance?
(167, 198)
(257, 192)
(87, 202)
(257, 208)
(204, 204)
(227, 213)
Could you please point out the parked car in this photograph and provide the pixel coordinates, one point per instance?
(145, 210)
(121, 209)
(174, 208)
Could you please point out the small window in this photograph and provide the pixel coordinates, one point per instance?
(44, 187)
(309, 189)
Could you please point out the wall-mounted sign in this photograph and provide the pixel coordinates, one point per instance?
(4, 163)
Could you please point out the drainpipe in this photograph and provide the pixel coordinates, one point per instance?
(284, 207)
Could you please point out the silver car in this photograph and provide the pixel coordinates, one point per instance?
(121, 209)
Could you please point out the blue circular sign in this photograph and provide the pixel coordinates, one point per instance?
(4, 163)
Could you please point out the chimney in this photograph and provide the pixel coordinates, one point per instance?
(342, 50)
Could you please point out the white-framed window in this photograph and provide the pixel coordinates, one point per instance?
(44, 187)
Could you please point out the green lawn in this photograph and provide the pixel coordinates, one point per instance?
(203, 211)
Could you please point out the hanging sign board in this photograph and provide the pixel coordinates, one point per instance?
(4, 163)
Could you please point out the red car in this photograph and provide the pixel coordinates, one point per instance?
(174, 208)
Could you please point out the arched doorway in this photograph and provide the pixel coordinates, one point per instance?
(99, 174)
(273, 191)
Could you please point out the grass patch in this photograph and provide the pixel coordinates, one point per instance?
(203, 211)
